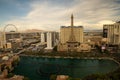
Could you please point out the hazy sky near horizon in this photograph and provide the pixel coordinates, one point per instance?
(51, 14)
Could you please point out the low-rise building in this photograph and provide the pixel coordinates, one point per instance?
(62, 77)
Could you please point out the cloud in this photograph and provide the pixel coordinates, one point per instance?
(92, 14)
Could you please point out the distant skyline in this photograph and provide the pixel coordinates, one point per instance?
(51, 14)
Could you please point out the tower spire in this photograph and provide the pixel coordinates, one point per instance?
(72, 20)
(72, 36)
(72, 43)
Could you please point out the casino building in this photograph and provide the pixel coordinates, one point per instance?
(71, 38)
(112, 33)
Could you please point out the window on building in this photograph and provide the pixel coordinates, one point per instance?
(68, 45)
(75, 45)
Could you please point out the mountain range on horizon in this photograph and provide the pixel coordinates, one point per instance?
(39, 30)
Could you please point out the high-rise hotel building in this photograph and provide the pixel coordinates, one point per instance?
(71, 38)
(112, 33)
(65, 32)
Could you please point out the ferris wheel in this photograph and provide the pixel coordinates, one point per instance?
(4, 30)
(12, 26)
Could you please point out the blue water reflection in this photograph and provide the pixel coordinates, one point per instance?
(37, 68)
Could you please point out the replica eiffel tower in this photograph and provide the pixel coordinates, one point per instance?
(72, 43)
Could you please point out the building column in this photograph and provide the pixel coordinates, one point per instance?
(49, 40)
(42, 37)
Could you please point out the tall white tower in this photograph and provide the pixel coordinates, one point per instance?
(49, 40)
(42, 37)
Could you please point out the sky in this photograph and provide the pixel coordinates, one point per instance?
(51, 14)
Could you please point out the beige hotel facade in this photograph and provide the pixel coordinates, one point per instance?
(65, 32)
(112, 33)
(71, 38)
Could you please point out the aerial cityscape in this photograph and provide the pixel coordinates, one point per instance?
(59, 40)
